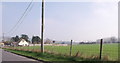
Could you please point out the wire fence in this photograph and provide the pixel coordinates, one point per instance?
(101, 50)
(107, 52)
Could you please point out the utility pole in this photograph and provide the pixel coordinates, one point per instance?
(3, 38)
(42, 28)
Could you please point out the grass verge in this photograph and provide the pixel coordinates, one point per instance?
(50, 57)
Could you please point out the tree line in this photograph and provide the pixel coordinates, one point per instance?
(34, 40)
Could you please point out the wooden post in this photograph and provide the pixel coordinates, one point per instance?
(71, 48)
(101, 42)
(3, 38)
(42, 28)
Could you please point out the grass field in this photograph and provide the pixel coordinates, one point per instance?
(110, 50)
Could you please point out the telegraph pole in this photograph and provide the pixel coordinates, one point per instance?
(3, 38)
(42, 28)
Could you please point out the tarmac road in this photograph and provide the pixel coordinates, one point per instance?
(10, 58)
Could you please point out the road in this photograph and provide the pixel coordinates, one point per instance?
(10, 57)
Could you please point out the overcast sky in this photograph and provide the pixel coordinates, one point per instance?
(79, 21)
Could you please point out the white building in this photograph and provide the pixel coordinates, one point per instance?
(1, 44)
(23, 42)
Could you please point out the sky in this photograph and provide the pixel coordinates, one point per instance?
(0, 20)
(79, 21)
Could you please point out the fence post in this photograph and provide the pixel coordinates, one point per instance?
(101, 42)
(71, 48)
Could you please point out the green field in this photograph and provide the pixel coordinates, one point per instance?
(110, 50)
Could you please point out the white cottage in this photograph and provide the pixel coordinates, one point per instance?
(23, 42)
(1, 44)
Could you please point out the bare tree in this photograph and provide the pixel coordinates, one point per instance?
(48, 41)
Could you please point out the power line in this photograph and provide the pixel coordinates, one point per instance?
(23, 19)
(20, 18)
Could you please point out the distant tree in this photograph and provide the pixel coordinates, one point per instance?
(13, 39)
(113, 39)
(53, 41)
(33, 40)
(48, 41)
(81, 43)
(23, 36)
(36, 40)
(17, 38)
(63, 43)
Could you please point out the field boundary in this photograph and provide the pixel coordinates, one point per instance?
(66, 58)
(91, 61)
(28, 56)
